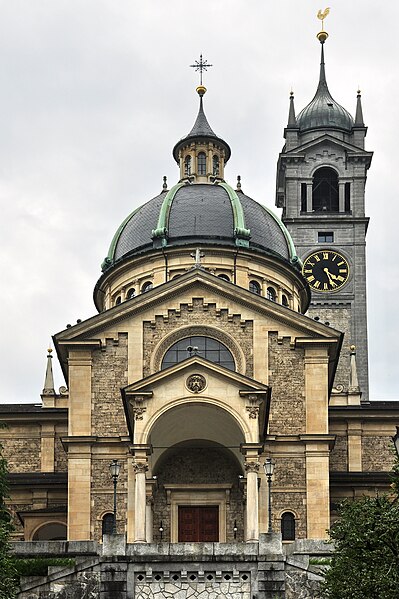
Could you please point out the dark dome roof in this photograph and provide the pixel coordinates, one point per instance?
(201, 213)
(323, 111)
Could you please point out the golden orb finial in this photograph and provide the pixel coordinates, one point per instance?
(201, 90)
(353, 348)
(49, 350)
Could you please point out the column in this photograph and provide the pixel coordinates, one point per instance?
(341, 196)
(309, 193)
(140, 468)
(252, 469)
(47, 447)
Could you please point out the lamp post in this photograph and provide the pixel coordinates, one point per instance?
(114, 468)
(269, 469)
(395, 440)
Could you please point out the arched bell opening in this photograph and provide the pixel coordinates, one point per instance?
(198, 494)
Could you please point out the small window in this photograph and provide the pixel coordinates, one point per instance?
(284, 300)
(224, 277)
(271, 294)
(187, 165)
(254, 287)
(118, 300)
(347, 197)
(107, 524)
(146, 286)
(202, 163)
(215, 165)
(131, 293)
(325, 237)
(288, 526)
(304, 197)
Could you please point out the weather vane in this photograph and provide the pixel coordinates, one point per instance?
(201, 65)
(322, 14)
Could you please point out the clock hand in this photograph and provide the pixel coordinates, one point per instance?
(330, 276)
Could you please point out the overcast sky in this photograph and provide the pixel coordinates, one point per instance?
(95, 93)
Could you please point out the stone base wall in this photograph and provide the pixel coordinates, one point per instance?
(115, 570)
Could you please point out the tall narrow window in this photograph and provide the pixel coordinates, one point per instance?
(325, 197)
(131, 293)
(304, 198)
(215, 165)
(347, 197)
(271, 294)
(284, 300)
(187, 165)
(288, 526)
(107, 524)
(202, 163)
(118, 300)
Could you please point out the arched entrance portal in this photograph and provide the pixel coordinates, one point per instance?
(199, 490)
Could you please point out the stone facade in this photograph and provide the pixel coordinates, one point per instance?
(377, 453)
(198, 318)
(109, 374)
(287, 411)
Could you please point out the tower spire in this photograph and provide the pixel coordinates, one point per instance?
(359, 122)
(291, 113)
(49, 378)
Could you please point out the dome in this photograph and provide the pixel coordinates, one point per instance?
(323, 111)
(206, 214)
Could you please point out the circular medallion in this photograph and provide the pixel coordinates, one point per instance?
(326, 271)
(196, 383)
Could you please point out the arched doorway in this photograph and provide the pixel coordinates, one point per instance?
(199, 491)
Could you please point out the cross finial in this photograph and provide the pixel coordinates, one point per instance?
(201, 65)
(197, 256)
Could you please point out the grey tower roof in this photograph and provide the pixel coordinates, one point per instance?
(323, 111)
(201, 129)
(201, 213)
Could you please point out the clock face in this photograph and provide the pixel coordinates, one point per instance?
(326, 271)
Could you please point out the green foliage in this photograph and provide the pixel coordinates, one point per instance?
(320, 561)
(8, 583)
(38, 566)
(365, 564)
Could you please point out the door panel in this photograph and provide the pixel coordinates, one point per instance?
(198, 524)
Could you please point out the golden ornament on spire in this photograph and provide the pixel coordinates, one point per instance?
(322, 35)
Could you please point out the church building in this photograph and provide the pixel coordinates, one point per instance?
(225, 373)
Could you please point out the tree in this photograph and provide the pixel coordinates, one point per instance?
(365, 564)
(8, 576)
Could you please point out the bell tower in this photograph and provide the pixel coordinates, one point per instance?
(321, 177)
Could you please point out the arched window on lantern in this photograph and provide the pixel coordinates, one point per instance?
(202, 163)
(288, 526)
(118, 300)
(325, 194)
(254, 287)
(187, 165)
(146, 286)
(271, 294)
(224, 277)
(215, 165)
(131, 293)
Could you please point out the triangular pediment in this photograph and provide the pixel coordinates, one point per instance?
(159, 378)
(321, 141)
(200, 381)
(196, 283)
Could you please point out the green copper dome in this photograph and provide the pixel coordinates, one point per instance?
(323, 111)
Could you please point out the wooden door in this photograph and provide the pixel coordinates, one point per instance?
(198, 524)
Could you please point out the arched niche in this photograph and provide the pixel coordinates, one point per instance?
(51, 531)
